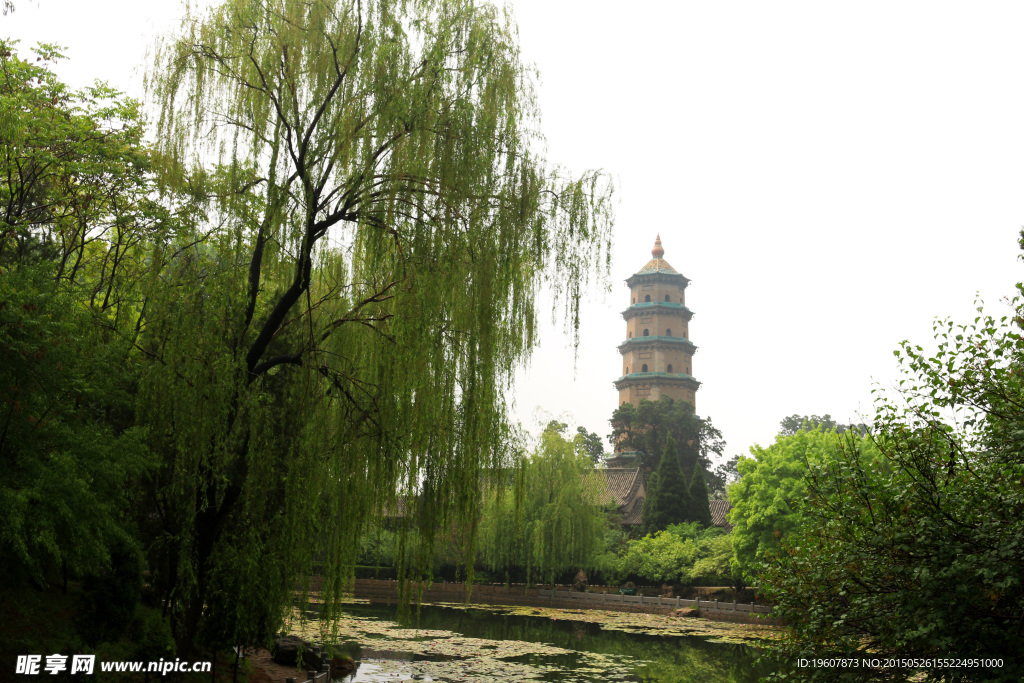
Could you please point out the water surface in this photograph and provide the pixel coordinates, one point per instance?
(511, 644)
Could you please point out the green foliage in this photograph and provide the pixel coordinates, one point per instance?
(669, 497)
(73, 212)
(151, 635)
(916, 552)
(588, 444)
(685, 554)
(68, 463)
(661, 557)
(341, 327)
(557, 522)
(111, 598)
(78, 222)
(794, 423)
(768, 498)
(378, 547)
(698, 508)
(76, 191)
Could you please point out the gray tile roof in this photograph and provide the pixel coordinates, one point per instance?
(719, 508)
(625, 488)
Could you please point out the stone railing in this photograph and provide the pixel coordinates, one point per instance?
(610, 600)
(529, 596)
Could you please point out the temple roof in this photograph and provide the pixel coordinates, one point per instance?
(625, 488)
(719, 510)
(622, 483)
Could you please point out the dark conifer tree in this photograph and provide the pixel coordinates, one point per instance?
(652, 487)
(669, 502)
(699, 509)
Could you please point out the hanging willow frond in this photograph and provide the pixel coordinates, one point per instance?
(349, 332)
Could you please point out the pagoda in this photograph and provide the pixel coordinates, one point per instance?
(657, 356)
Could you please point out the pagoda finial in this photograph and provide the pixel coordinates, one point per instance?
(658, 251)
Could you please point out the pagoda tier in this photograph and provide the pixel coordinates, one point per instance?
(651, 386)
(652, 343)
(651, 307)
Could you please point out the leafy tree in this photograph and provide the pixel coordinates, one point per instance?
(659, 557)
(588, 444)
(342, 326)
(646, 427)
(681, 553)
(670, 497)
(917, 553)
(767, 501)
(67, 469)
(794, 423)
(76, 190)
(714, 560)
(556, 427)
(555, 524)
(73, 213)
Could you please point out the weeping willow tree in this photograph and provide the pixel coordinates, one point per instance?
(552, 520)
(345, 324)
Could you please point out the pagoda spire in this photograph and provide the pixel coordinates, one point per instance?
(658, 250)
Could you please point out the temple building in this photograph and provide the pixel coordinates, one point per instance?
(657, 356)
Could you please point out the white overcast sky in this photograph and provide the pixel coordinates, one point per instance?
(831, 176)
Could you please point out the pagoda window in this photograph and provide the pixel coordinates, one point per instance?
(634, 299)
(666, 297)
(643, 368)
(668, 332)
(647, 333)
(630, 336)
(669, 367)
(647, 298)
(627, 371)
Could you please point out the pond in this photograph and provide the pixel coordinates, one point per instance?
(459, 643)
